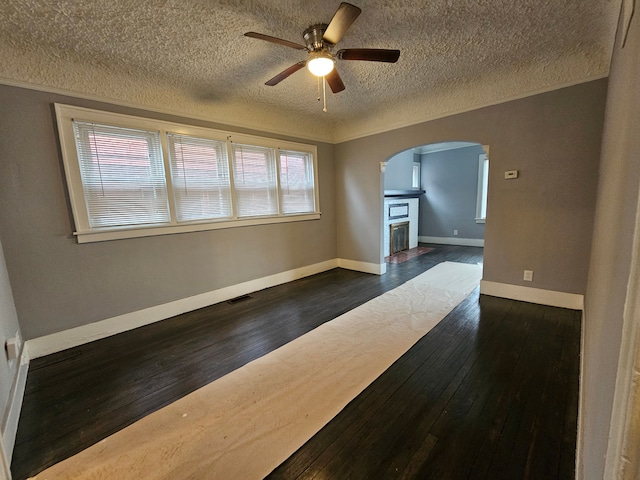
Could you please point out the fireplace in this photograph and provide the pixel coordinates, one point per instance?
(398, 237)
(403, 213)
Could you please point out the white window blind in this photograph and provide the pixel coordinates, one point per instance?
(255, 180)
(296, 182)
(122, 175)
(200, 178)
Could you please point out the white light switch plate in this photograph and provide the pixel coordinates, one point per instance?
(13, 348)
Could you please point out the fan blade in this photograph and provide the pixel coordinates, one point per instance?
(341, 21)
(284, 74)
(334, 81)
(279, 41)
(369, 54)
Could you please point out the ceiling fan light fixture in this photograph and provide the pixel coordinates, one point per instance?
(320, 39)
(320, 63)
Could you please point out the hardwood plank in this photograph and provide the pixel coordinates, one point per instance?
(377, 406)
(454, 435)
(393, 410)
(496, 417)
(570, 382)
(406, 462)
(459, 421)
(474, 414)
(475, 397)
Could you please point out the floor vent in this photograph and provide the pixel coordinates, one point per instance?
(239, 299)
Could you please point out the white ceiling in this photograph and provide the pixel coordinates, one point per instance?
(191, 57)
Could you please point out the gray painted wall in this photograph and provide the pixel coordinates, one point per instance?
(612, 250)
(8, 328)
(542, 221)
(450, 181)
(59, 284)
(398, 173)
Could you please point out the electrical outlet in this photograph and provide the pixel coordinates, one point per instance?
(455, 232)
(528, 275)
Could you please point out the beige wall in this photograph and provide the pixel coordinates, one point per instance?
(612, 250)
(59, 284)
(542, 221)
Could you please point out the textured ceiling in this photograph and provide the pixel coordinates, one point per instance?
(190, 56)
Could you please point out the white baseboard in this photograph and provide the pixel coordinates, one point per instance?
(532, 295)
(12, 414)
(56, 342)
(465, 242)
(375, 268)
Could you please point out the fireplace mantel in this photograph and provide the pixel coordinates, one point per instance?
(391, 194)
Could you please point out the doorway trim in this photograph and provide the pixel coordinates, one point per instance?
(623, 452)
(441, 145)
(5, 472)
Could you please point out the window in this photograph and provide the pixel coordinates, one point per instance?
(131, 177)
(415, 177)
(254, 174)
(483, 184)
(122, 175)
(296, 182)
(200, 177)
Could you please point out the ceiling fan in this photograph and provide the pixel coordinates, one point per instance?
(320, 40)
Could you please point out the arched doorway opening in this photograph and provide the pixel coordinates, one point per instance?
(434, 194)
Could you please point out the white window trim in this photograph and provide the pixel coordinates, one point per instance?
(482, 188)
(84, 233)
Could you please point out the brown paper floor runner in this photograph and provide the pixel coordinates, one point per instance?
(246, 423)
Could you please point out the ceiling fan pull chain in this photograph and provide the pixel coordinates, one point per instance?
(318, 87)
(324, 94)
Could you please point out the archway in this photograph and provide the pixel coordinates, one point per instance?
(438, 193)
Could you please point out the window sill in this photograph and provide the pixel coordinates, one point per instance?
(135, 232)
(480, 220)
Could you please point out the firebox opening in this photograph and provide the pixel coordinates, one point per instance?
(398, 237)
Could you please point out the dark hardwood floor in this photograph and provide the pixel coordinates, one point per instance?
(491, 392)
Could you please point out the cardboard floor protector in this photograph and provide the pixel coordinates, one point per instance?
(248, 422)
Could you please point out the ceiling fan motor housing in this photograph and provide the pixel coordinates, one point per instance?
(313, 37)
